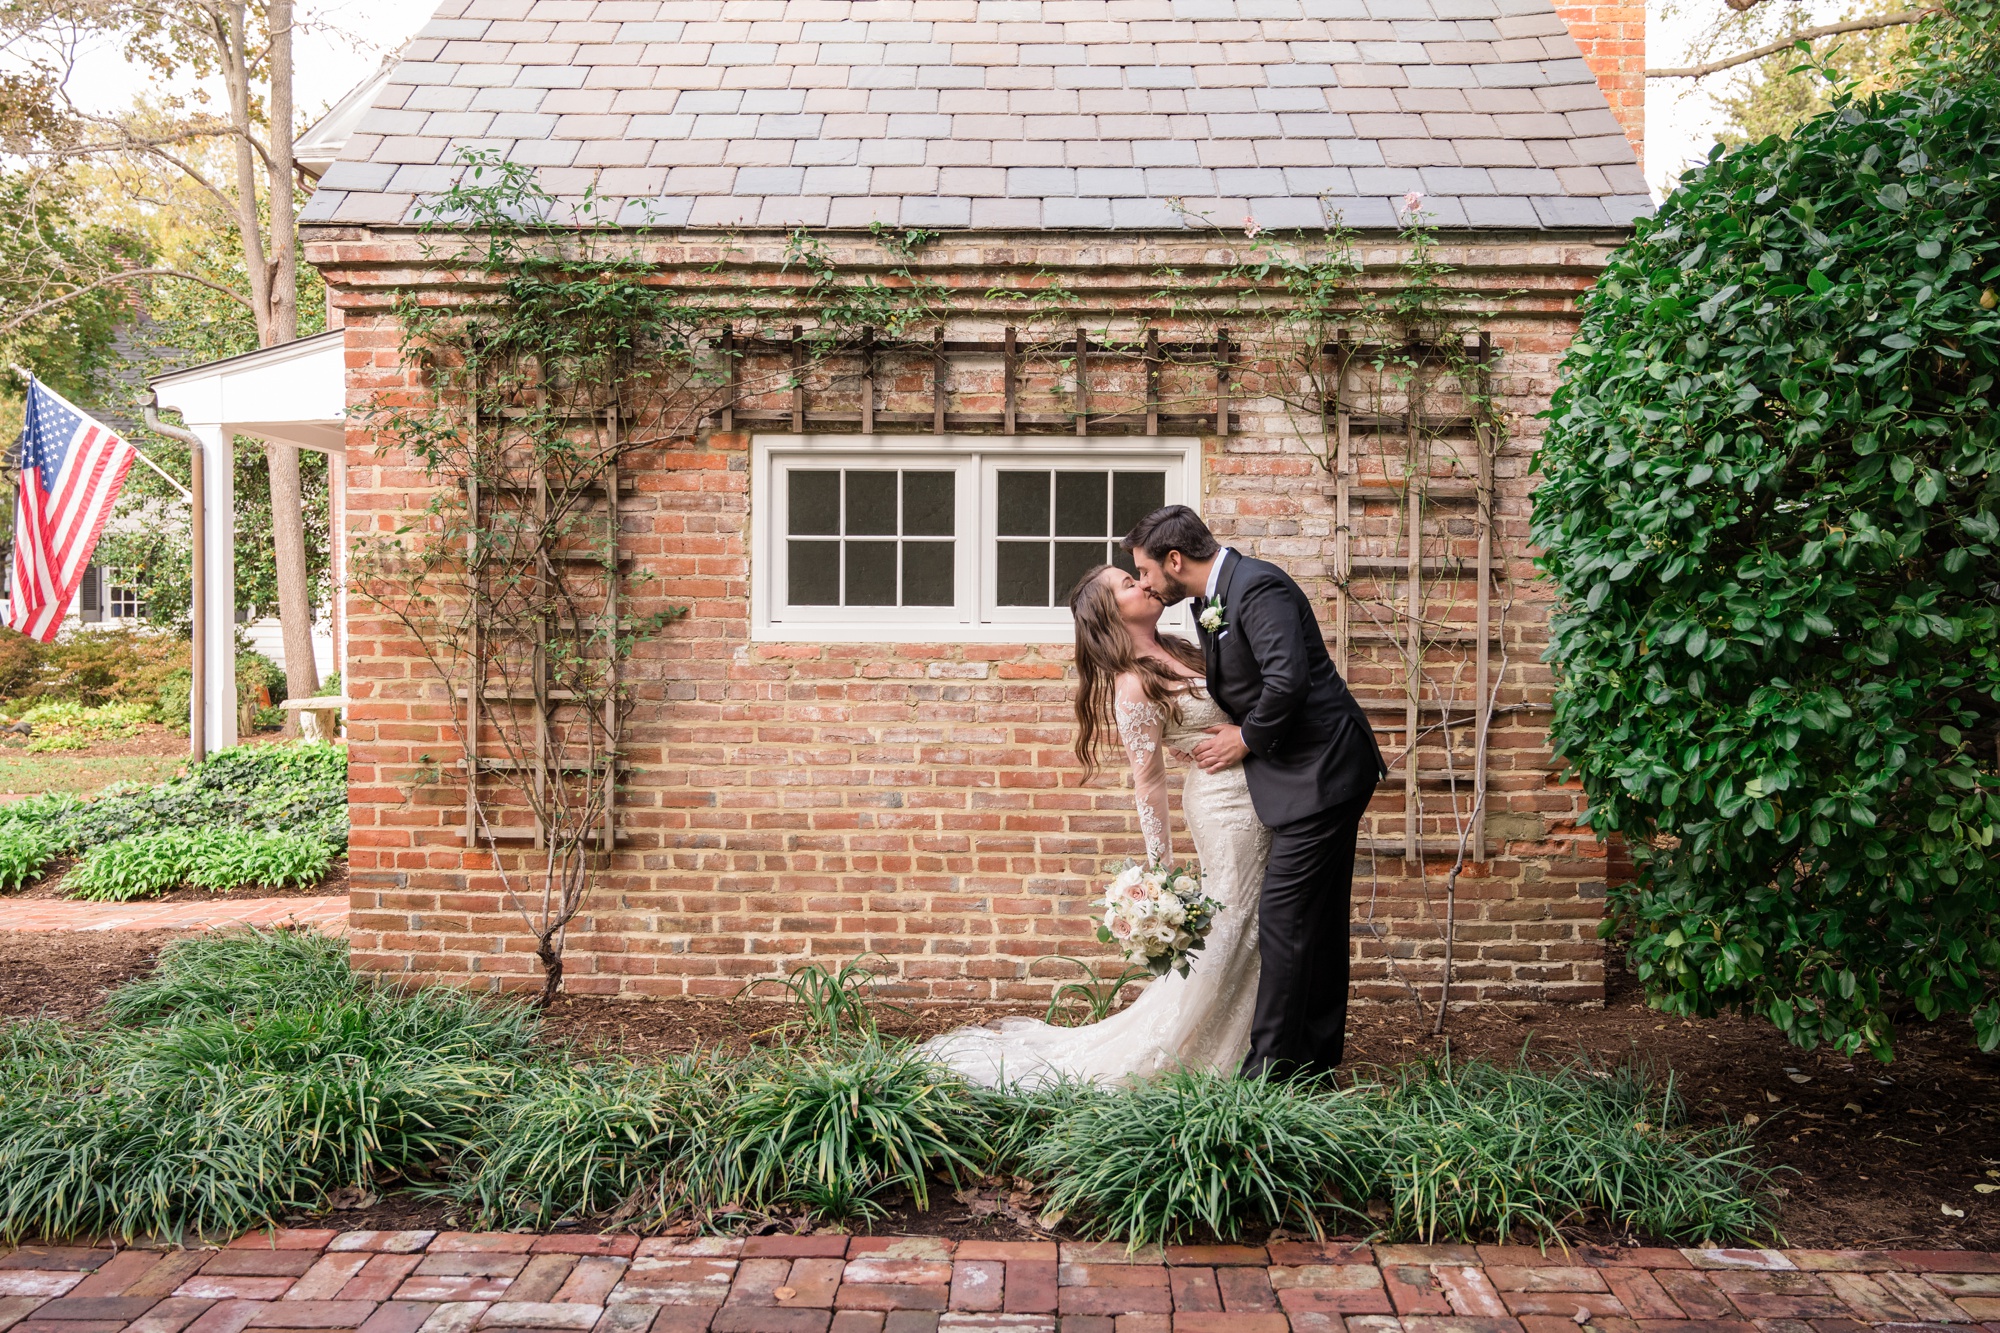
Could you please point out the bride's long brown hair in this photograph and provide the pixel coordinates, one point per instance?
(1104, 652)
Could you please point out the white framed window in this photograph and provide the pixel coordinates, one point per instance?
(122, 599)
(955, 538)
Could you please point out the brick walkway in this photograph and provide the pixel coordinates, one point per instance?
(329, 914)
(455, 1282)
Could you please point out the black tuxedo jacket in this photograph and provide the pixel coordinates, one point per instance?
(1310, 744)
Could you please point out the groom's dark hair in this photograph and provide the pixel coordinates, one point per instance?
(1175, 528)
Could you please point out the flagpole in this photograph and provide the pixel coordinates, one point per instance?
(197, 494)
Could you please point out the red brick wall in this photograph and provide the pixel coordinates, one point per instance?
(1613, 39)
(795, 800)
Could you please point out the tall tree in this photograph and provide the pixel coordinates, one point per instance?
(245, 47)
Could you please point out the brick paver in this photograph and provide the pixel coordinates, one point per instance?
(459, 1282)
(328, 914)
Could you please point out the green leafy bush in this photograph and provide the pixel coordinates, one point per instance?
(24, 853)
(1771, 509)
(1191, 1153)
(142, 867)
(156, 863)
(299, 789)
(231, 859)
(91, 667)
(172, 702)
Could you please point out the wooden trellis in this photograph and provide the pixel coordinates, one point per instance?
(1397, 520)
(940, 357)
(540, 715)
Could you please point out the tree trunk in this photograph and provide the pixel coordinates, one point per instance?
(552, 969)
(294, 588)
(295, 609)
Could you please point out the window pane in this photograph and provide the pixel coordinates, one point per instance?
(1022, 572)
(813, 578)
(815, 504)
(1123, 559)
(1133, 496)
(1072, 559)
(1024, 507)
(871, 573)
(928, 508)
(927, 574)
(1080, 506)
(871, 503)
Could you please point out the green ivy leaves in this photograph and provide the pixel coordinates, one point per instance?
(1771, 509)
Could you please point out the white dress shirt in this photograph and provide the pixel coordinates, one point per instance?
(1215, 573)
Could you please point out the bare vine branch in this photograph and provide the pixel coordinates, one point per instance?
(1896, 18)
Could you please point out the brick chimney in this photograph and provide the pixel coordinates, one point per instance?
(1612, 36)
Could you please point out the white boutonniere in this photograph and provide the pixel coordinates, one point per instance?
(1211, 616)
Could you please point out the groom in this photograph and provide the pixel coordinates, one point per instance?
(1311, 763)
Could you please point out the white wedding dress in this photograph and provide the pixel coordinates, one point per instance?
(1200, 1021)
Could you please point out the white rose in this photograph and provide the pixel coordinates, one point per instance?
(1172, 912)
(1129, 877)
(1211, 619)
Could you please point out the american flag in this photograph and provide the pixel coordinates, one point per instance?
(71, 472)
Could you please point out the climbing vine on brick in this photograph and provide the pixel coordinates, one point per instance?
(561, 350)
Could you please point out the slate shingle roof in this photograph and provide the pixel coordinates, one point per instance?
(1009, 114)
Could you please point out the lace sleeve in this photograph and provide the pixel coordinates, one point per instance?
(1141, 723)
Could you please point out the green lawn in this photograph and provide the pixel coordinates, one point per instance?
(24, 774)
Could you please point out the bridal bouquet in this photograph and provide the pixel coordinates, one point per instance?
(1159, 918)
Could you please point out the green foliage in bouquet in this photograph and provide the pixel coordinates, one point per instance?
(1771, 510)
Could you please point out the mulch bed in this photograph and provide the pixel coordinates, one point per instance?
(61, 975)
(1870, 1153)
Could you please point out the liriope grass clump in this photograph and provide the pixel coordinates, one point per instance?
(1473, 1150)
(1443, 1151)
(830, 1130)
(245, 1079)
(251, 1075)
(1190, 1154)
(236, 973)
(574, 1142)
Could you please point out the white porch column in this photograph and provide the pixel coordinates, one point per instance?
(220, 536)
(336, 476)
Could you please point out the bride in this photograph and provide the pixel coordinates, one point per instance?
(1151, 689)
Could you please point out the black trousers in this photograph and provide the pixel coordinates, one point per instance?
(1300, 1024)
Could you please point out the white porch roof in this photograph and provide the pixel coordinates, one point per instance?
(296, 394)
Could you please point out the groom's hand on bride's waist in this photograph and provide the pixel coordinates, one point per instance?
(1224, 748)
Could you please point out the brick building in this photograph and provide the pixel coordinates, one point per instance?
(817, 766)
